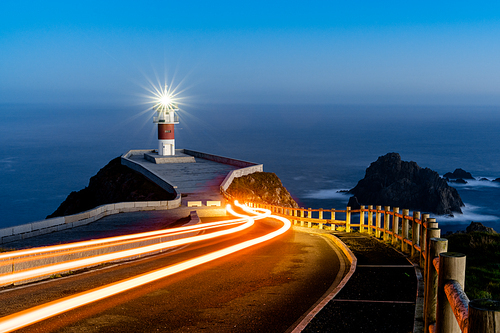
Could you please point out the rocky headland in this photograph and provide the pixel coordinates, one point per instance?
(113, 183)
(261, 187)
(389, 181)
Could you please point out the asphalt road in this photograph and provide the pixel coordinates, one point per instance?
(262, 289)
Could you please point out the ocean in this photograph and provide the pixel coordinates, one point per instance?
(47, 151)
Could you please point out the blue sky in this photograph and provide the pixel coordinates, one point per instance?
(348, 52)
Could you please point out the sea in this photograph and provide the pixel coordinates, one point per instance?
(50, 150)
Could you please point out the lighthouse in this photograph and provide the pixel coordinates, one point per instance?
(166, 119)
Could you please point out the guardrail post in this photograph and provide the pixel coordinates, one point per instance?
(484, 315)
(309, 216)
(362, 219)
(404, 234)
(451, 267)
(436, 246)
(395, 226)
(415, 232)
(302, 216)
(332, 217)
(423, 237)
(320, 217)
(387, 209)
(370, 219)
(348, 219)
(377, 221)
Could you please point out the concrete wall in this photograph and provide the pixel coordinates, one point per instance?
(219, 159)
(146, 172)
(239, 173)
(23, 231)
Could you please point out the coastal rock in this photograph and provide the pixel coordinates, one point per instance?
(478, 226)
(497, 180)
(392, 182)
(484, 179)
(261, 187)
(458, 173)
(113, 183)
(353, 203)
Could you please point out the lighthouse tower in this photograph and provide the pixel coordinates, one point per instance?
(166, 119)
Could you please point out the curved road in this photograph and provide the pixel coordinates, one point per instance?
(262, 289)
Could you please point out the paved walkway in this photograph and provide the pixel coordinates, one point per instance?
(379, 297)
(197, 181)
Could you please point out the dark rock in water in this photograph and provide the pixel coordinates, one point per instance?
(261, 187)
(459, 181)
(353, 203)
(484, 179)
(458, 173)
(113, 183)
(392, 182)
(478, 226)
(497, 180)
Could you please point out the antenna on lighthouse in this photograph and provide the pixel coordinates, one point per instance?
(166, 119)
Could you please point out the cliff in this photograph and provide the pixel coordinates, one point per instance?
(113, 183)
(392, 182)
(261, 187)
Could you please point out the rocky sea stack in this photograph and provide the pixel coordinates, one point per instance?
(392, 182)
(113, 183)
(261, 187)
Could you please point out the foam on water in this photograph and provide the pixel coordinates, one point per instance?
(328, 194)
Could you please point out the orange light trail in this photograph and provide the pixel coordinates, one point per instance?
(99, 259)
(42, 312)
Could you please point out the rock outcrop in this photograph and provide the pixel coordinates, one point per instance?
(392, 182)
(261, 187)
(478, 226)
(457, 174)
(113, 183)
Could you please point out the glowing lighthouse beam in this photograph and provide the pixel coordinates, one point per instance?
(45, 311)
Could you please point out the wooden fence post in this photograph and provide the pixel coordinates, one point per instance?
(436, 246)
(387, 209)
(423, 237)
(320, 217)
(484, 315)
(404, 233)
(332, 217)
(415, 233)
(395, 226)
(370, 219)
(451, 267)
(302, 216)
(362, 219)
(377, 221)
(309, 216)
(348, 219)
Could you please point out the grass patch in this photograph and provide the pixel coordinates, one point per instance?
(482, 275)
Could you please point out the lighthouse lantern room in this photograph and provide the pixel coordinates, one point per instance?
(166, 119)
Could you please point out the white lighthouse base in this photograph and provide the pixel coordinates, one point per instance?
(166, 147)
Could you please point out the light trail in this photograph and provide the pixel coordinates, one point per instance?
(99, 259)
(44, 253)
(39, 250)
(45, 311)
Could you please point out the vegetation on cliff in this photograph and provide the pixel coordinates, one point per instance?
(261, 187)
(113, 183)
(482, 277)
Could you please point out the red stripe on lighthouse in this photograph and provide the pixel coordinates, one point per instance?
(165, 131)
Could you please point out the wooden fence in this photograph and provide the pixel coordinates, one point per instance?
(446, 306)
